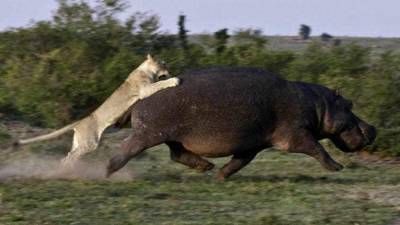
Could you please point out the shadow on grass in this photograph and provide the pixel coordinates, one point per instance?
(298, 179)
(257, 179)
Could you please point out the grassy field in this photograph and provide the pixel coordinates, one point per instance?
(276, 188)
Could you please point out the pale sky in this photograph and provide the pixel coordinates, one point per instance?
(275, 17)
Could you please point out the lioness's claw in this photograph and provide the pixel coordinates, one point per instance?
(174, 81)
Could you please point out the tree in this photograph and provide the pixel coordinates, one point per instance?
(325, 37)
(305, 31)
(252, 37)
(221, 37)
(182, 34)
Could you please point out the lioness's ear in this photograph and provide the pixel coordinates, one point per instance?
(149, 57)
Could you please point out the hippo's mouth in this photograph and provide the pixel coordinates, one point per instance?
(369, 137)
(353, 140)
(341, 145)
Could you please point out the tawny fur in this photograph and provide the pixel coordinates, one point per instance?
(141, 83)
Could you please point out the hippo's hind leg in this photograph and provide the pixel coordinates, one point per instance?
(237, 162)
(181, 155)
(131, 147)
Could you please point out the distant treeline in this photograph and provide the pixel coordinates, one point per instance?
(57, 71)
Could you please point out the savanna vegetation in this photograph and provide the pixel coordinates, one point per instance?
(56, 71)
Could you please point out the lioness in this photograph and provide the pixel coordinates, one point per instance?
(141, 83)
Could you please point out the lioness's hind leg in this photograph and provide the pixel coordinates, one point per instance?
(83, 143)
(181, 155)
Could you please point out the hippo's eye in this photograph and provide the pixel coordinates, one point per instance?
(350, 127)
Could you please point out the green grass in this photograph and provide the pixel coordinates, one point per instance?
(276, 188)
(4, 136)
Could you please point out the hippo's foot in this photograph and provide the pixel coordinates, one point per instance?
(115, 163)
(327, 162)
(332, 166)
(205, 167)
(221, 176)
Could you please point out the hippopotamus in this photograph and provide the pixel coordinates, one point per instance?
(238, 112)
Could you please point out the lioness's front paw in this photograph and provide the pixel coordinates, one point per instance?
(174, 81)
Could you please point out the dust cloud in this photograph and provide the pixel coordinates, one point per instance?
(46, 167)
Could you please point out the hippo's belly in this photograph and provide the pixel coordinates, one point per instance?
(220, 146)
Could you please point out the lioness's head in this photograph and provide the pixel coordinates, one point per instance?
(348, 132)
(156, 67)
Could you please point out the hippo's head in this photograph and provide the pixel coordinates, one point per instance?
(348, 132)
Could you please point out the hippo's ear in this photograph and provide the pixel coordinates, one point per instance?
(337, 92)
(328, 116)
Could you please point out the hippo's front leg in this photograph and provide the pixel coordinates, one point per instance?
(304, 142)
(318, 152)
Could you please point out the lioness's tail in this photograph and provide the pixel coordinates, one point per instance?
(49, 136)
